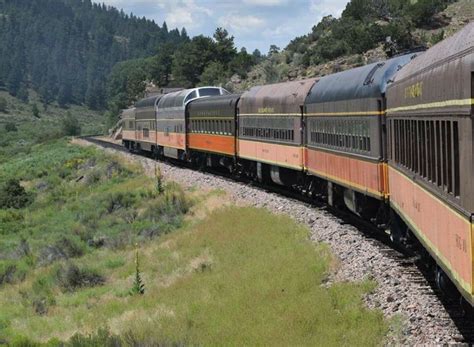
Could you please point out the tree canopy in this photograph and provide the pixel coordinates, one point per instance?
(65, 49)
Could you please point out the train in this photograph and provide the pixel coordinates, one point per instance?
(391, 141)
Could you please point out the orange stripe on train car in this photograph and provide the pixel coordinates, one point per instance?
(212, 143)
(151, 138)
(271, 153)
(446, 233)
(174, 140)
(128, 134)
(362, 175)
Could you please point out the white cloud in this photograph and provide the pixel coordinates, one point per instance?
(186, 13)
(328, 7)
(241, 24)
(265, 2)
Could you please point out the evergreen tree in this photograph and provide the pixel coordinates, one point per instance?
(23, 93)
(3, 104)
(191, 59)
(65, 49)
(160, 66)
(214, 74)
(35, 110)
(71, 126)
(225, 48)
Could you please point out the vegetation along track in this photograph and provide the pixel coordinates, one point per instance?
(406, 290)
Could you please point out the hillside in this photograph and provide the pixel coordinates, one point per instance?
(359, 37)
(65, 49)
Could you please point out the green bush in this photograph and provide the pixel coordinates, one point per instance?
(3, 104)
(35, 110)
(71, 277)
(10, 127)
(13, 195)
(71, 126)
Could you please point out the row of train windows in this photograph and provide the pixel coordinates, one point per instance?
(429, 148)
(346, 142)
(212, 126)
(148, 126)
(271, 134)
(177, 128)
(350, 135)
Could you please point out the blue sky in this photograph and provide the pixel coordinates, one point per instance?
(253, 23)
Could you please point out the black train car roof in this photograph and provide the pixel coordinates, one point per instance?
(222, 105)
(369, 81)
(148, 102)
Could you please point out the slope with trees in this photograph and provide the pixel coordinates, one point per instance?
(65, 49)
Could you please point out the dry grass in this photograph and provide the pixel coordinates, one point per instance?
(241, 276)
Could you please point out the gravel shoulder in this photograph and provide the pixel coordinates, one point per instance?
(418, 317)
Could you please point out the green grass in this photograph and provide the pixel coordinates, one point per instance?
(82, 200)
(32, 130)
(242, 276)
(212, 275)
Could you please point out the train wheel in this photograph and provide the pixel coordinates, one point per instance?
(444, 284)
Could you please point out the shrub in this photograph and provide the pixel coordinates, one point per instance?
(7, 273)
(13, 195)
(71, 278)
(35, 111)
(3, 104)
(171, 203)
(10, 127)
(70, 125)
(102, 338)
(116, 201)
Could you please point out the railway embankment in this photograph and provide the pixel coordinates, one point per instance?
(402, 293)
(95, 252)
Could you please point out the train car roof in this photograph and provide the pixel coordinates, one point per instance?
(462, 41)
(150, 101)
(181, 98)
(369, 81)
(277, 98)
(220, 100)
(128, 113)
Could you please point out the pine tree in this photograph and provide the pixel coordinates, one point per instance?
(35, 111)
(3, 104)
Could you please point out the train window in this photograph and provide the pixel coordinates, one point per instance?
(209, 92)
(438, 153)
(432, 156)
(449, 166)
(456, 159)
(191, 96)
(430, 149)
(146, 132)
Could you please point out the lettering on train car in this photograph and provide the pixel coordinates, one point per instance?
(266, 110)
(461, 243)
(414, 91)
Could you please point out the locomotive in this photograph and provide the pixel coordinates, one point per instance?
(390, 141)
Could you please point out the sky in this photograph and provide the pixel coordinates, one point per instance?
(255, 24)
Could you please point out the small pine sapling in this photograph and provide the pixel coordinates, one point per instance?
(138, 285)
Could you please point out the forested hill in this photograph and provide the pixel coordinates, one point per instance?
(366, 32)
(65, 49)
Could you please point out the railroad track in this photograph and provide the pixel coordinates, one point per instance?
(411, 264)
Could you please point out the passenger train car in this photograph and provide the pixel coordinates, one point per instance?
(430, 150)
(346, 137)
(391, 141)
